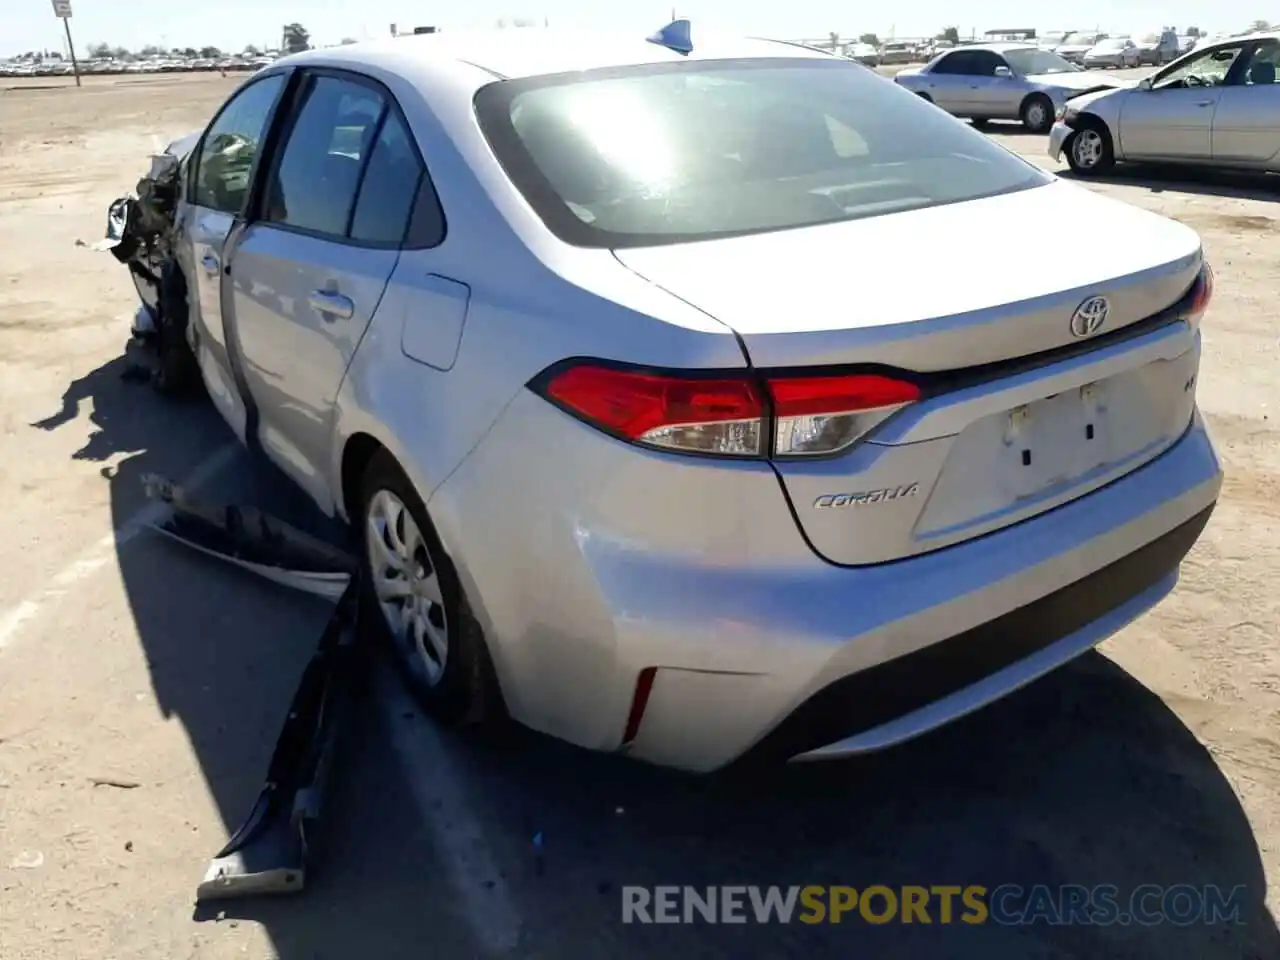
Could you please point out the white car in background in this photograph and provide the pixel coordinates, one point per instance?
(1075, 45)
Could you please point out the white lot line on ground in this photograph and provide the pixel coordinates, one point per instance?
(99, 555)
(439, 792)
(437, 789)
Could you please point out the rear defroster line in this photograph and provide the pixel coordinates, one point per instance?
(272, 850)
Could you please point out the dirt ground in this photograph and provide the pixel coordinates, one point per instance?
(124, 659)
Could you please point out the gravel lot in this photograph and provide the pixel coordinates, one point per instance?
(122, 657)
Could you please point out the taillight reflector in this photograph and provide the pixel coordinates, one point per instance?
(728, 415)
(1200, 295)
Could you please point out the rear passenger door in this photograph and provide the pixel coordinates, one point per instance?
(311, 267)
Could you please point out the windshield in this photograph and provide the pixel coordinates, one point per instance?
(1080, 40)
(665, 153)
(1110, 44)
(1031, 61)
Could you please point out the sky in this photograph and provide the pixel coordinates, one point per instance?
(232, 24)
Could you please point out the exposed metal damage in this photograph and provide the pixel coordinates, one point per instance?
(140, 233)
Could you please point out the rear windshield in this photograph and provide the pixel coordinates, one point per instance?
(643, 156)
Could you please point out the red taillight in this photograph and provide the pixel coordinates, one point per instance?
(728, 415)
(1200, 295)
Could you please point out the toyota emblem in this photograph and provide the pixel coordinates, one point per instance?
(1089, 317)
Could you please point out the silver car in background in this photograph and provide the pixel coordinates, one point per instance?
(561, 323)
(1075, 45)
(1114, 53)
(1002, 81)
(1218, 105)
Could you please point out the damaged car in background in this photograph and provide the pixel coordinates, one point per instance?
(1003, 81)
(599, 484)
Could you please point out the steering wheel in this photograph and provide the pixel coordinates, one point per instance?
(1191, 80)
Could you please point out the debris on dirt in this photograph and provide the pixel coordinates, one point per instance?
(81, 243)
(113, 782)
(28, 860)
(128, 846)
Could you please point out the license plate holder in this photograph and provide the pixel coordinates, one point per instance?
(1055, 440)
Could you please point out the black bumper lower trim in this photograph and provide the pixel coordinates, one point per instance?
(865, 700)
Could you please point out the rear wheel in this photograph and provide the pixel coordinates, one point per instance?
(925, 97)
(1089, 151)
(980, 123)
(1037, 113)
(413, 604)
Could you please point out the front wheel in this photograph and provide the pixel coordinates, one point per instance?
(1037, 114)
(1089, 151)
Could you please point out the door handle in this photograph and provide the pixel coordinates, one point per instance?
(1205, 103)
(210, 263)
(332, 306)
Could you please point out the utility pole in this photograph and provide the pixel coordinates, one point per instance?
(62, 10)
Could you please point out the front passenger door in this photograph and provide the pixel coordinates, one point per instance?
(311, 268)
(220, 171)
(1173, 120)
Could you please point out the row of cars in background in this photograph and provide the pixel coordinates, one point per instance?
(1093, 50)
(170, 64)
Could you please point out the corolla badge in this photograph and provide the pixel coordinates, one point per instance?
(1089, 317)
(864, 498)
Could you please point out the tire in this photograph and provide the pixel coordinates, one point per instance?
(979, 123)
(925, 97)
(1089, 149)
(1037, 113)
(175, 372)
(457, 685)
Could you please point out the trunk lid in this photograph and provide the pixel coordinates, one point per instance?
(947, 289)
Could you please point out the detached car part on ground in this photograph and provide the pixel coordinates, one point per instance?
(619, 458)
(1217, 106)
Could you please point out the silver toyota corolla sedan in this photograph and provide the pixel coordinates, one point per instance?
(696, 402)
(1219, 106)
(1002, 81)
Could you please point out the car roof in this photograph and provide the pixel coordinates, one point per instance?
(530, 52)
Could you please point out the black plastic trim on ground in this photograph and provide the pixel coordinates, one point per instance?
(875, 696)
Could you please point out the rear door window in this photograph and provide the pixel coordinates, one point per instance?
(390, 187)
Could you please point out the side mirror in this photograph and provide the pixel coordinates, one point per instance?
(1144, 84)
(1002, 73)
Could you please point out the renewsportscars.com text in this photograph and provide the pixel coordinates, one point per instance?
(1008, 904)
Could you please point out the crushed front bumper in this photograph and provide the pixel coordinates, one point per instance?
(1058, 140)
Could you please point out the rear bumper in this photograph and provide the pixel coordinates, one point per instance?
(842, 661)
(759, 646)
(900, 699)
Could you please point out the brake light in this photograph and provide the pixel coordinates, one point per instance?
(736, 414)
(1198, 297)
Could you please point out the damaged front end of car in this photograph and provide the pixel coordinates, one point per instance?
(142, 234)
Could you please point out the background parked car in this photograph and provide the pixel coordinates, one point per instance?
(1112, 54)
(1159, 47)
(1001, 81)
(864, 53)
(1076, 45)
(897, 51)
(1163, 118)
